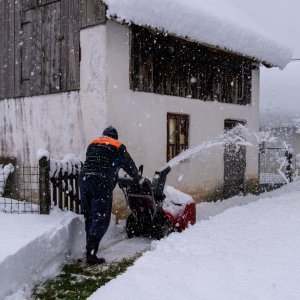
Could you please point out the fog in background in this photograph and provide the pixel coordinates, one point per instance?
(280, 90)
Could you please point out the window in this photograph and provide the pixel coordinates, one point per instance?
(167, 65)
(177, 134)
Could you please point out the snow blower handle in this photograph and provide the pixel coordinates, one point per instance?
(159, 181)
(126, 182)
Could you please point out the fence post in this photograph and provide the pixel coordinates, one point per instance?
(289, 167)
(44, 185)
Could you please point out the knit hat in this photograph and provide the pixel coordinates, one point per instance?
(111, 132)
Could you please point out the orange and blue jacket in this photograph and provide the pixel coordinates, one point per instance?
(105, 156)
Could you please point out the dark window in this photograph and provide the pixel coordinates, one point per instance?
(167, 65)
(177, 134)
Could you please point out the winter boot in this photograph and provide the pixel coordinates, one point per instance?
(92, 247)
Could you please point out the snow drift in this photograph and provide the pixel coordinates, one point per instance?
(33, 247)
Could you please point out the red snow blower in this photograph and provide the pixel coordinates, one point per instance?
(145, 199)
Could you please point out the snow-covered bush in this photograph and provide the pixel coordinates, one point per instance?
(5, 170)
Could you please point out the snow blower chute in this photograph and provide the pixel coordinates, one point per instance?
(145, 199)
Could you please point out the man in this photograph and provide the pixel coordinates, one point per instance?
(104, 157)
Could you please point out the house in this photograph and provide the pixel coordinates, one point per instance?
(167, 74)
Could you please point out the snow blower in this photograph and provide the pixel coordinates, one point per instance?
(145, 199)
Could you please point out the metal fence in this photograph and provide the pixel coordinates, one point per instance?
(274, 166)
(20, 190)
(36, 189)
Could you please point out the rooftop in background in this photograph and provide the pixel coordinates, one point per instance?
(215, 23)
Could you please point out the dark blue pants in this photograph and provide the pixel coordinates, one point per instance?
(96, 203)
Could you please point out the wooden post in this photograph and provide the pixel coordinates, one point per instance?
(44, 185)
(289, 167)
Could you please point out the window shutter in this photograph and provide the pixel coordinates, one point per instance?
(46, 2)
(92, 12)
(40, 51)
(70, 43)
(51, 47)
(28, 4)
(31, 53)
(7, 45)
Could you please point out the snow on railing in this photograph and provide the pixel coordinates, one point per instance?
(5, 171)
(61, 181)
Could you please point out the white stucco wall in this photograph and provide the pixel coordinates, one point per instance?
(40, 122)
(141, 119)
(93, 82)
(61, 123)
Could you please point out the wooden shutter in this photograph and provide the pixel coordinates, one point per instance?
(28, 4)
(70, 44)
(51, 57)
(45, 2)
(92, 12)
(40, 51)
(31, 53)
(7, 46)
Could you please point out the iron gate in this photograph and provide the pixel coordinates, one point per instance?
(274, 166)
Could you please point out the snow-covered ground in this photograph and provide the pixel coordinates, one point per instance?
(241, 248)
(33, 247)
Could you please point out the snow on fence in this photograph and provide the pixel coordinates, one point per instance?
(64, 182)
(275, 166)
(19, 187)
(35, 189)
(5, 171)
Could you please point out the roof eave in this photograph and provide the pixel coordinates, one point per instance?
(253, 59)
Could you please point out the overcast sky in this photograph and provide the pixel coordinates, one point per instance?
(280, 90)
(279, 17)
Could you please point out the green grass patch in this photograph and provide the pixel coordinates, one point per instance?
(77, 281)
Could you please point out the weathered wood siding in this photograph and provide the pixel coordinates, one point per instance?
(167, 65)
(7, 43)
(40, 44)
(92, 12)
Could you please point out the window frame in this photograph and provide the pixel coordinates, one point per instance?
(178, 118)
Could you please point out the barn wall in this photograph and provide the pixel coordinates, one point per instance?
(39, 45)
(61, 123)
(141, 120)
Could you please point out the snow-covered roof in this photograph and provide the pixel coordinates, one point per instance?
(215, 22)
